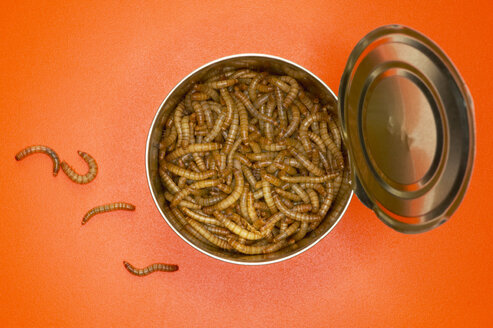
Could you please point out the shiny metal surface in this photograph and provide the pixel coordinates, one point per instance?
(408, 122)
(268, 63)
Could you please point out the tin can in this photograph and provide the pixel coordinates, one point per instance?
(407, 123)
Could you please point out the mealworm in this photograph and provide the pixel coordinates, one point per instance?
(313, 199)
(209, 236)
(304, 227)
(190, 175)
(302, 193)
(278, 83)
(233, 131)
(200, 96)
(309, 179)
(264, 88)
(107, 208)
(185, 128)
(253, 85)
(294, 123)
(230, 108)
(305, 100)
(331, 145)
(220, 231)
(287, 232)
(306, 162)
(208, 201)
(222, 84)
(236, 229)
(207, 90)
(81, 179)
(194, 186)
(292, 214)
(249, 106)
(200, 217)
(177, 116)
(287, 195)
(150, 268)
(41, 149)
(293, 90)
(195, 148)
(234, 196)
(334, 131)
(184, 203)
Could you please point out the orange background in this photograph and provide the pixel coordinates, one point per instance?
(90, 75)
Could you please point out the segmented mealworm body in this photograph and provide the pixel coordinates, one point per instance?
(292, 214)
(230, 106)
(222, 84)
(236, 229)
(306, 162)
(253, 111)
(150, 268)
(107, 208)
(294, 123)
(81, 179)
(234, 196)
(190, 175)
(41, 149)
(207, 90)
(293, 90)
(195, 148)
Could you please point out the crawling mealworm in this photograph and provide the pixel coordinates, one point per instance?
(41, 149)
(207, 90)
(293, 125)
(200, 96)
(301, 192)
(107, 208)
(233, 131)
(81, 179)
(236, 229)
(150, 268)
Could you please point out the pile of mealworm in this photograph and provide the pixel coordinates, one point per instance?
(84, 179)
(250, 162)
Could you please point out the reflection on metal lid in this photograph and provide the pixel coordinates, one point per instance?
(408, 123)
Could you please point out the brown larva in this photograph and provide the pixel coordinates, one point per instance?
(150, 268)
(41, 149)
(81, 179)
(107, 208)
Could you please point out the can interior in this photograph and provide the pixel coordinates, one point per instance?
(273, 65)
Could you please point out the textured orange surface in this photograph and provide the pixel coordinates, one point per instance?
(90, 75)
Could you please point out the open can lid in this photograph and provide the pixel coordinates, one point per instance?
(408, 124)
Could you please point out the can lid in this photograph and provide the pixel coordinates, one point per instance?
(408, 123)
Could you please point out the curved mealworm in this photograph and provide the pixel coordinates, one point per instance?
(253, 85)
(293, 90)
(236, 229)
(194, 186)
(253, 111)
(302, 193)
(313, 199)
(177, 116)
(150, 268)
(107, 208)
(200, 217)
(234, 196)
(207, 90)
(208, 235)
(294, 123)
(262, 100)
(199, 96)
(184, 203)
(81, 179)
(292, 214)
(305, 100)
(185, 128)
(287, 232)
(306, 162)
(304, 227)
(287, 195)
(190, 175)
(278, 83)
(41, 149)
